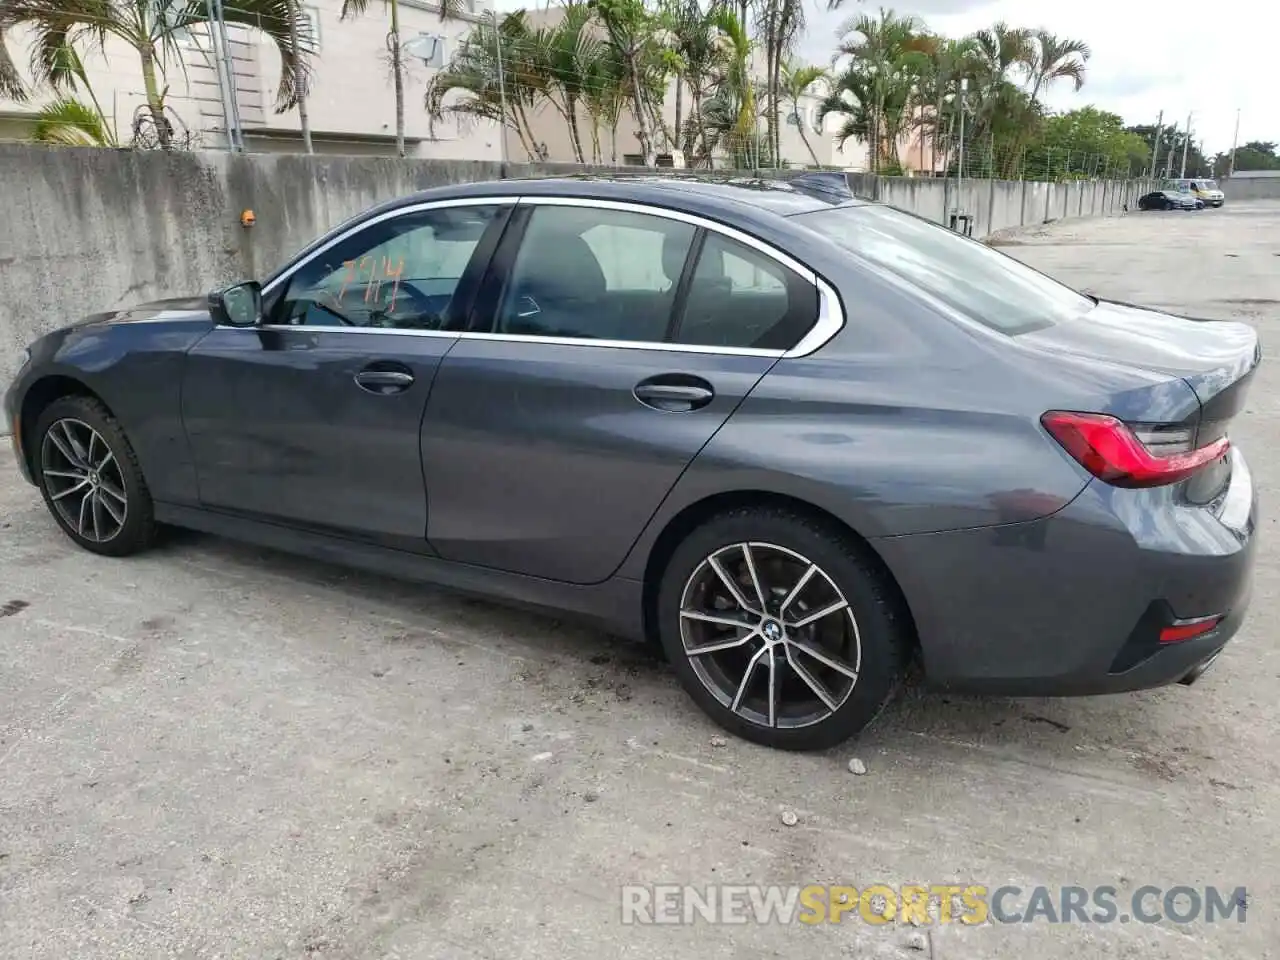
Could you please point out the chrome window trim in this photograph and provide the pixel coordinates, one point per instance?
(830, 321)
(624, 344)
(317, 328)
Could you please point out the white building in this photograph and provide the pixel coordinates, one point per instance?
(351, 103)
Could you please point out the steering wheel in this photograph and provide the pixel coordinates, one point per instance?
(421, 306)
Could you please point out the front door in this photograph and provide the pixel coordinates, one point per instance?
(621, 341)
(313, 418)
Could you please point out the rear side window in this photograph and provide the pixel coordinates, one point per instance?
(976, 281)
(738, 297)
(595, 274)
(603, 274)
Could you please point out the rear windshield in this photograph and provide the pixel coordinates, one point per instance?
(980, 283)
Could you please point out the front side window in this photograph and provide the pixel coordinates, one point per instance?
(595, 274)
(981, 284)
(401, 273)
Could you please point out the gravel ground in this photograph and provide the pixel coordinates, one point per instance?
(218, 751)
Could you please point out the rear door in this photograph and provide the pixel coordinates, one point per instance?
(617, 340)
(313, 417)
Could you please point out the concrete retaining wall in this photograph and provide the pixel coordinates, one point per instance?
(86, 230)
(1000, 204)
(1251, 188)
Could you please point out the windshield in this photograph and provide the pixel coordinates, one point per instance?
(971, 278)
(1210, 184)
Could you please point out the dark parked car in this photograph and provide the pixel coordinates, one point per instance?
(1170, 200)
(797, 438)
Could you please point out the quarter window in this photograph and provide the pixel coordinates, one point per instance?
(742, 298)
(401, 273)
(595, 274)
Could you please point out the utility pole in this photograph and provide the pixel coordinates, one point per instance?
(1185, 143)
(1155, 147)
(964, 86)
(226, 77)
(1231, 169)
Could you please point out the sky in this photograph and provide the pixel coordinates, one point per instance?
(1179, 58)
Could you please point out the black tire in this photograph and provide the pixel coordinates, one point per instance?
(880, 625)
(121, 474)
(1168, 205)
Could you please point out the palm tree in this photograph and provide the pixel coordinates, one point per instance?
(152, 29)
(471, 84)
(395, 49)
(1001, 110)
(781, 22)
(884, 57)
(300, 80)
(847, 97)
(1044, 58)
(566, 55)
(735, 87)
(948, 61)
(1051, 58)
(632, 39)
(796, 79)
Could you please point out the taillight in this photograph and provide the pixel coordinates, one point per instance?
(1110, 449)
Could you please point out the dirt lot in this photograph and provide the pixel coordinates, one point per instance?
(215, 751)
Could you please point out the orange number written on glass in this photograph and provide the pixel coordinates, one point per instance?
(373, 272)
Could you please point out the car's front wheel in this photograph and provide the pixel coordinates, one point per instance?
(783, 628)
(90, 479)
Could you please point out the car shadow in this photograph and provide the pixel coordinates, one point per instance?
(920, 720)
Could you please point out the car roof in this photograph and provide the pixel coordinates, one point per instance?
(756, 205)
(724, 198)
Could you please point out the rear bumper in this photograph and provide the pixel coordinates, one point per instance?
(1047, 608)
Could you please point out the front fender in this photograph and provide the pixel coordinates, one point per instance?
(135, 369)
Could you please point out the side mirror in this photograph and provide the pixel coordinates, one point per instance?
(237, 306)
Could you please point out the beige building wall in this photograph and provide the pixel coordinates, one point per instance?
(351, 104)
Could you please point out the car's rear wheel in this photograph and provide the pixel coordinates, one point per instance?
(782, 628)
(89, 475)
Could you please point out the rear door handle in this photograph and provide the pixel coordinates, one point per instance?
(381, 380)
(675, 393)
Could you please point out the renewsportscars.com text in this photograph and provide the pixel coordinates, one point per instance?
(919, 904)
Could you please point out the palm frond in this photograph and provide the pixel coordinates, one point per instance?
(11, 85)
(71, 123)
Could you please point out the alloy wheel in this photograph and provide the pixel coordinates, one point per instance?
(84, 481)
(770, 635)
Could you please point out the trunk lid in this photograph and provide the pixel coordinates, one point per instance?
(1136, 355)
(1215, 358)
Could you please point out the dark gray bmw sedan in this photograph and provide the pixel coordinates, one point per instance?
(796, 438)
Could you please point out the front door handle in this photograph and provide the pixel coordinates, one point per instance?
(675, 393)
(384, 381)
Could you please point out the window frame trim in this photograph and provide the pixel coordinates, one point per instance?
(829, 322)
